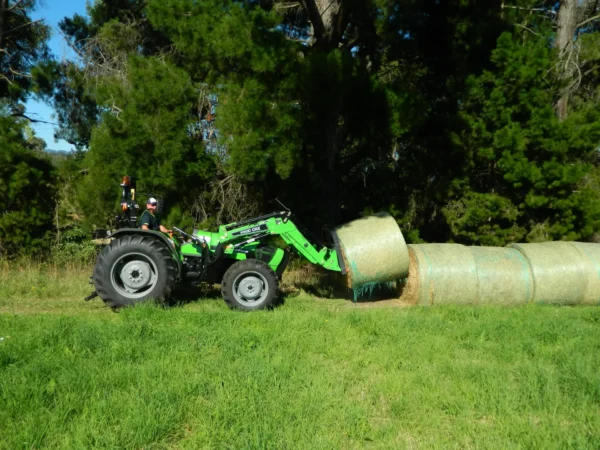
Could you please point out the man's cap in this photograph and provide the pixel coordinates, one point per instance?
(152, 201)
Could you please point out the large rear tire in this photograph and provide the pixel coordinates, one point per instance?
(134, 269)
(250, 285)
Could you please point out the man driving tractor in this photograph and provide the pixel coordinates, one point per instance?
(149, 220)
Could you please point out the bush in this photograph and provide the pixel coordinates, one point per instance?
(27, 193)
(75, 247)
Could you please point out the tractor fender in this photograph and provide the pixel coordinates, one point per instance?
(154, 234)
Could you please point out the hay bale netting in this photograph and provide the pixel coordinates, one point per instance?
(560, 272)
(374, 250)
(503, 276)
(591, 253)
(441, 273)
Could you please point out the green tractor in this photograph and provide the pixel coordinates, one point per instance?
(139, 265)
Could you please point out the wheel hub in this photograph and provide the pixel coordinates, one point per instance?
(135, 275)
(250, 287)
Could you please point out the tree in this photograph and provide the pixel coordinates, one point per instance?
(27, 178)
(310, 92)
(574, 25)
(528, 172)
(335, 107)
(22, 45)
(574, 21)
(27, 189)
(70, 85)
(144, 132)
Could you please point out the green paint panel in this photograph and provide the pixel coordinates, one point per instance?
(277, 258)
(212, 239)
(191, 249)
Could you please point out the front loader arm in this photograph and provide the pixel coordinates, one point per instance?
(281, 225)
(326, 257)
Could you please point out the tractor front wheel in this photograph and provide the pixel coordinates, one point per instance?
(134, 269)
(250, 285)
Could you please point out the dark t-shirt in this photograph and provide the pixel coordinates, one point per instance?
(152, 222)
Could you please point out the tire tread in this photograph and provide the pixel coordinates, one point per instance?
(246, 265)
(101, 276)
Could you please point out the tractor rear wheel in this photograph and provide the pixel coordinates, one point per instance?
(250, 285)
(134, 269)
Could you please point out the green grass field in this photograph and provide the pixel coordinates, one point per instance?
(312, 374)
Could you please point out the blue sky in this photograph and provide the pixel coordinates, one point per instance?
(53, 11)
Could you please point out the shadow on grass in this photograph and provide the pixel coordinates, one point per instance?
(322, 283)
(310, 279)
(186, 294)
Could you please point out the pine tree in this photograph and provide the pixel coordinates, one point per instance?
(321, 99)
(27, 189)
(27, 177)
(145, 132)
(339, 108)
(528, 174)
(22, 46)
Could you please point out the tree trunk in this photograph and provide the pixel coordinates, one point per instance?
(329, 19)
(567, 24)
(330, 200)
(3, 8)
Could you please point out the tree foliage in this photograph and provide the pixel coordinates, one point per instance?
(22, 46)
(482, 132)
(527, 172)
(27, 192)
(145, 133)
(27, 177)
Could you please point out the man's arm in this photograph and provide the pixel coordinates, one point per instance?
(161, 227)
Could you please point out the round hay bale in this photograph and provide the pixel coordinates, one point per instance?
(373, 249)
(441, 273)
(503, 276)
(560, 272)
(591, 253)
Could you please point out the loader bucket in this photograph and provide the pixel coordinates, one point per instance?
(374, 250)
